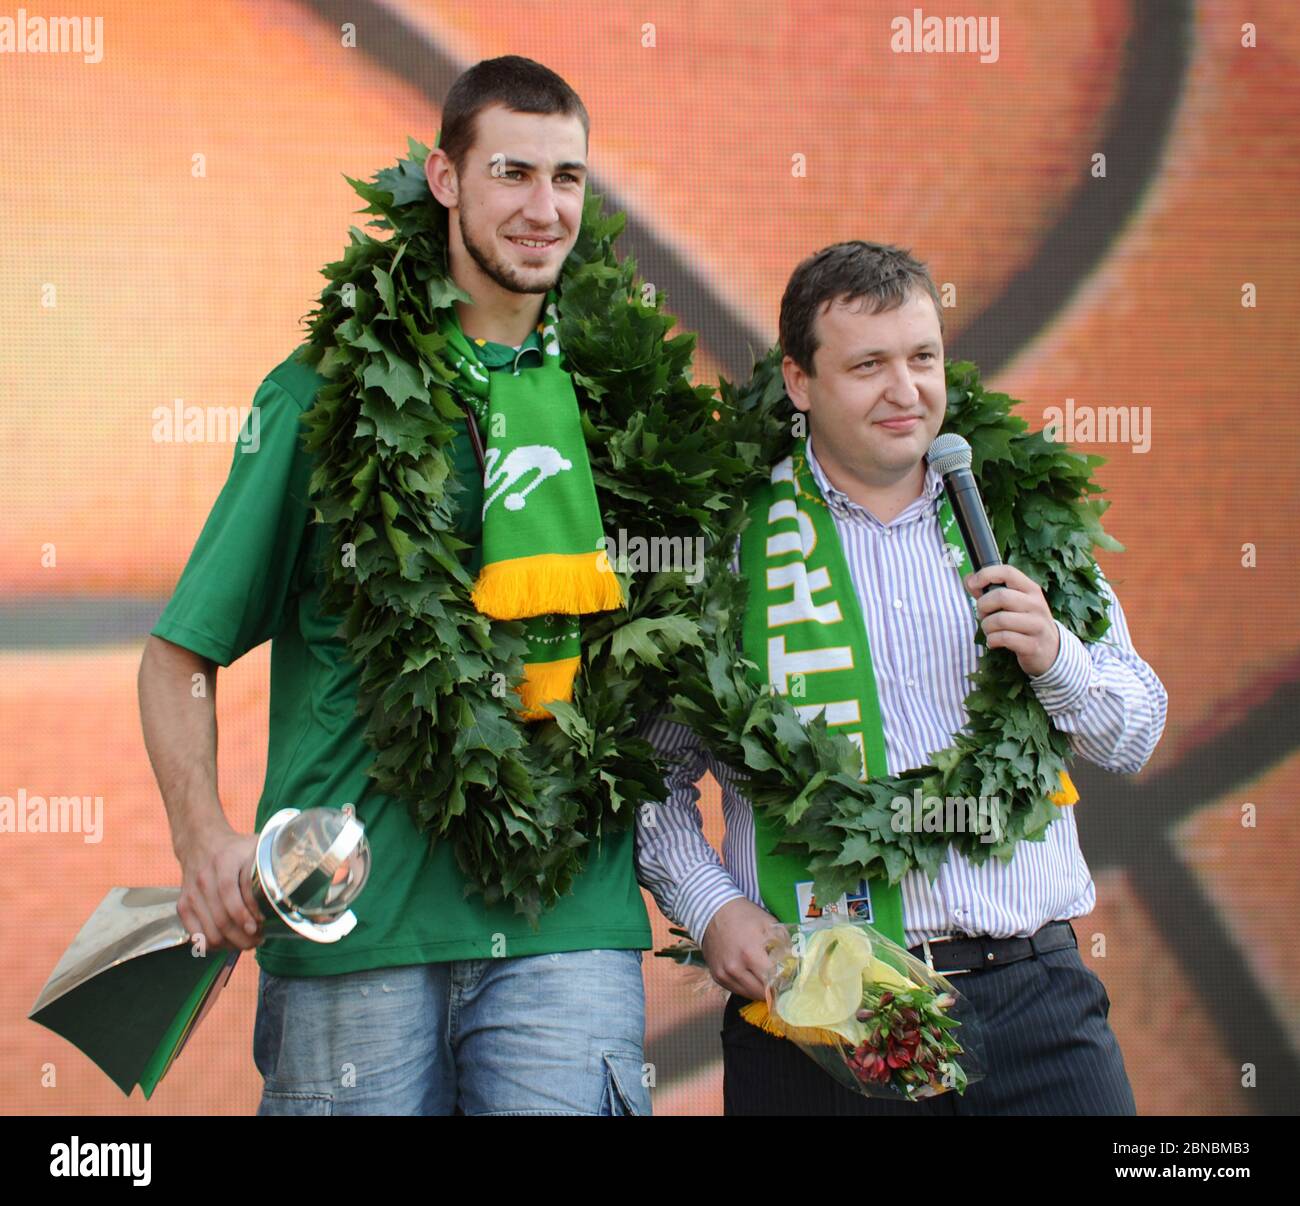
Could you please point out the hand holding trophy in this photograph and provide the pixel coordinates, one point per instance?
(133, 985)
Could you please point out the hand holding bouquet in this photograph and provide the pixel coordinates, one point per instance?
(873, 1016)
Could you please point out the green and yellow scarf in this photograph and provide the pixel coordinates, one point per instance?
(543, 560)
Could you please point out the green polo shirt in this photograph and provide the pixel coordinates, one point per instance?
(253, 576)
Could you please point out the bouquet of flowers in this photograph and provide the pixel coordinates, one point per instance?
(873, 1016)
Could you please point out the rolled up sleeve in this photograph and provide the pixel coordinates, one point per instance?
(1102, 693)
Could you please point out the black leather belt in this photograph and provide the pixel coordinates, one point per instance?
(957, 953)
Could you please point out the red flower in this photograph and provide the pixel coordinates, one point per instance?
(899, 1056)
(869, 1065)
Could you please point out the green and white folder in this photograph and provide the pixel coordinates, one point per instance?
(130, 991)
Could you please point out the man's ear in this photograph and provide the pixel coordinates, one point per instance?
(796, 384)
(440, 172)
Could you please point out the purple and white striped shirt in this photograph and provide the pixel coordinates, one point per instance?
(921, 630)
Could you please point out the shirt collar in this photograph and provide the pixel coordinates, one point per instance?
(500, 355)
(843, 504)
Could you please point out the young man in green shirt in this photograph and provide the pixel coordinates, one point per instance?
(436, 1003)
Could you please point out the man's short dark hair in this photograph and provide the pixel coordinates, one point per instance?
(883, 277)
(517, 83)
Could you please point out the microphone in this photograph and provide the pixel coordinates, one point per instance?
(950, 456)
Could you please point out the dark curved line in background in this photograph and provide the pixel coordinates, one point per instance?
(412, 56)
(1128, 825)
(1140, 120)
(1131, 826)
(1141, 117)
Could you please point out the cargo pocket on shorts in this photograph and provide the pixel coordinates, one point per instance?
(624, 1095)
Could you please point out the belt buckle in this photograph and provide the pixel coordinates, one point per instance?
(926, 943)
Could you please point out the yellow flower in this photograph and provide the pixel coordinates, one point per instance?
(881, 974)
(828, 990)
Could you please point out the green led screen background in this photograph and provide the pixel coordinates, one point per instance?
(1111, 203)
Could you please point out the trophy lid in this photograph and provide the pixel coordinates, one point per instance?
(319, 860)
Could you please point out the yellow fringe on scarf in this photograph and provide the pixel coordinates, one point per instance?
(1068, 794)
(570, 584)
(546, 681)
(756, 1013)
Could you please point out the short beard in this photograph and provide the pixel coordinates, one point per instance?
(502, 274)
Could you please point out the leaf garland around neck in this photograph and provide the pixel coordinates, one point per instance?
(1040, 501)
(522, 805)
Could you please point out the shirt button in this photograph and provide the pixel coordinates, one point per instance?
(911, 682)
(889, 531)
(898, 602)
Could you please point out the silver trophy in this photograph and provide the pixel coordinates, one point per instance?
(133, 986)
(310, 867)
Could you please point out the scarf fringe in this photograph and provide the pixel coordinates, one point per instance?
(545, 682)
(756, 1013)
(570, 584)
(1069, 794)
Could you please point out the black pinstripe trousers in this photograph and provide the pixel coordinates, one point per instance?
(1040, 1026)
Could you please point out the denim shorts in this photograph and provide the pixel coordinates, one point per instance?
(540, 1034)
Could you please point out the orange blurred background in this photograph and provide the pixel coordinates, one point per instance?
(166, 211)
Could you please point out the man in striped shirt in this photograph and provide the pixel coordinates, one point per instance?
(861, 328)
